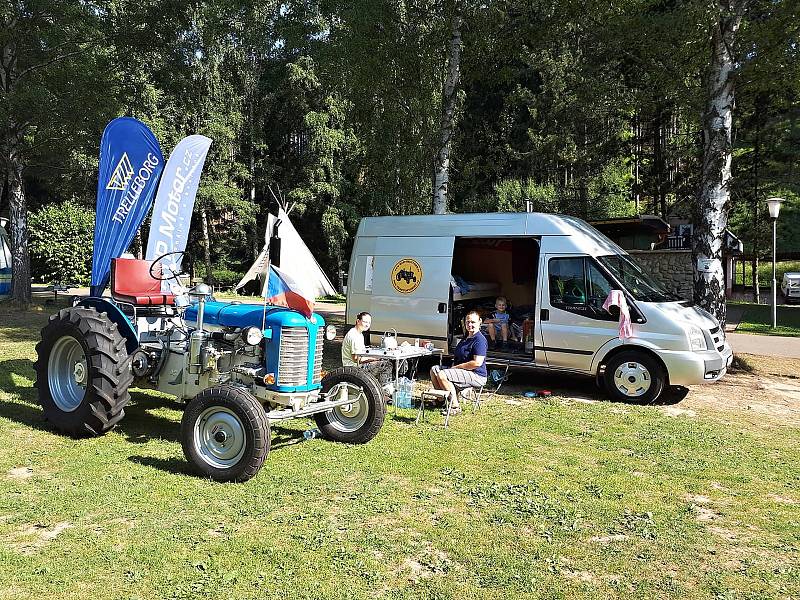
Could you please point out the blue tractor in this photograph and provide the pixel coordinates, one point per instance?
(239, 368)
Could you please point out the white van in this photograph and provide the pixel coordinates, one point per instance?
(421, 274)
(790, 286)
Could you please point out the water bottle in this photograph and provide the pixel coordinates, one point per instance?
(402, 397)
(310, 434)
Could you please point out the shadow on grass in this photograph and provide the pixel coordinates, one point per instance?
(18, 368)
(140, 425)
(578, 387)
(175, 466)
(281, 438)
(25, 414)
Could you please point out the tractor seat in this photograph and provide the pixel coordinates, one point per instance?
(131, 282)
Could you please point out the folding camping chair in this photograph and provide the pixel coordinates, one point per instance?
(474, 394)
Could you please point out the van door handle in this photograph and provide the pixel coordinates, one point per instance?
(442, 307)
(544, 315)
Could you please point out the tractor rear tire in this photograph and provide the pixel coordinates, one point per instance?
(360, 421)
(82, 372)
(225, 434)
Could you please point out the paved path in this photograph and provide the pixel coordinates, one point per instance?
(764, 345)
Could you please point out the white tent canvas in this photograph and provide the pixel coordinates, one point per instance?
(296, 259)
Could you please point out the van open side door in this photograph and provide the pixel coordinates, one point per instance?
(409, 286)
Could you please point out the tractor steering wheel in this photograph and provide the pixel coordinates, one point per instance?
(160, 276)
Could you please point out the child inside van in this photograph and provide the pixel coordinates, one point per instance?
(499, 323)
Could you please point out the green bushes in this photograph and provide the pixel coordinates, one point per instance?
(223, 278)
(61, 239)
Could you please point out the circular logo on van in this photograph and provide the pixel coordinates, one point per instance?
(406, 275)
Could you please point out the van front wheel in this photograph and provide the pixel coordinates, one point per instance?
(634, 377)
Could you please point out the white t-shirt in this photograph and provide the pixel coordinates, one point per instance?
(353, 343)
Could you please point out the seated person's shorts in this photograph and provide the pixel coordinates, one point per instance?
(460, 377)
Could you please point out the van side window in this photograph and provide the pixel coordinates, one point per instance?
(567, 282)
(578, 286)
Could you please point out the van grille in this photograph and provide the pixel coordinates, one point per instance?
(718, 337)
(318, 356)
(293, 361)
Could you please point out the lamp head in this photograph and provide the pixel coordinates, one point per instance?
(774, 205)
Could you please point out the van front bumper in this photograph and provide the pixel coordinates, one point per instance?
(692, 368)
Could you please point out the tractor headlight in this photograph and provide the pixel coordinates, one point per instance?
(697, 341)
(330, 333)
(252, 336)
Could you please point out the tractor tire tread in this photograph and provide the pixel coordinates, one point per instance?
(110, 376)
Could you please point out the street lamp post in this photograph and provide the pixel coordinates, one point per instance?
(774, 205)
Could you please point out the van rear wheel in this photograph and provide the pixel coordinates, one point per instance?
(633, 376)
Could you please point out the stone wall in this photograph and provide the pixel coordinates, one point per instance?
(673, 268)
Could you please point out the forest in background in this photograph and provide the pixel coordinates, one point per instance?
(339, 109)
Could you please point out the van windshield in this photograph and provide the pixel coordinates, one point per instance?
(636, 281)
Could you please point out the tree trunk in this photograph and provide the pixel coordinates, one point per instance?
(20, 257)
(658, 161)
(449, 102)
(756, 224)
(206, 247)
(339, 272)
(711, 216)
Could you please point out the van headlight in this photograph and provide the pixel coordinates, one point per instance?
(252, 336)
(697, 341)
(330, 333)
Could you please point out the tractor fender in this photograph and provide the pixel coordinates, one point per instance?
(115, 315)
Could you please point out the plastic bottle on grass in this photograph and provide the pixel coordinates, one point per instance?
(310, 434)
(402, 396)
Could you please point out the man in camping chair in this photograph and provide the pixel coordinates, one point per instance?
(469, 364)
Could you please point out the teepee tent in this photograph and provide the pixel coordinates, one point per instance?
(296, 259)
(5, 261)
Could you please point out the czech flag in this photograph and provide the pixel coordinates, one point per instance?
(282, 289)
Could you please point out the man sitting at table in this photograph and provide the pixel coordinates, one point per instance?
(381, 369)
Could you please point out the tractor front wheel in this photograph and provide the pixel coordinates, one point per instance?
(358, 421)
(225, 434)
(82, 372)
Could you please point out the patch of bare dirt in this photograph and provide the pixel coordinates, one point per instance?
(767, 396)
(698, 498)
(582, 576)
(426, 562)
(704, 514)
(34, 537)
(781, 499)
(20, 473)
(675, 411)
(723, 533)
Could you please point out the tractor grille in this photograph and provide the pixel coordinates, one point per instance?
(318, 356)
(293, 361)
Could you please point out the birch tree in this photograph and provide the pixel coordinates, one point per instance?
(450, 89)
(713, 203)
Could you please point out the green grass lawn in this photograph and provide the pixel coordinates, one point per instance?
(757, 318)
(547, 499)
